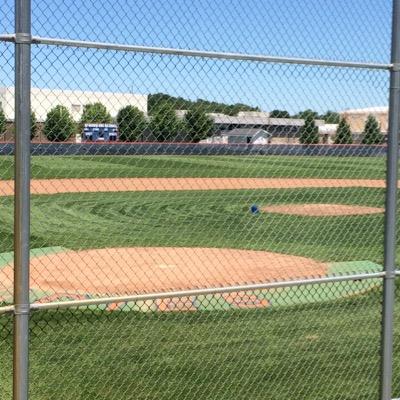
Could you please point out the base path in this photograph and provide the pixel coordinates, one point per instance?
(53, 186)
(125, 271)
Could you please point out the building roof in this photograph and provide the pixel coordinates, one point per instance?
(328, 128)
(245, 132)
(220, 118)
(257, 119)
(239, 120)
(252, 118)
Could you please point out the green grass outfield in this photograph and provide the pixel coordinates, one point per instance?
(319, 351)
(200, 166)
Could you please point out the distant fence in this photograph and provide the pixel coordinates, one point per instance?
(70, 149)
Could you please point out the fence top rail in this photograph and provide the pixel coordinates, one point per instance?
(196, 292)
(199, 53)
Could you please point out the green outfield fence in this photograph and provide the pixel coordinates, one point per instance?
(199, 199)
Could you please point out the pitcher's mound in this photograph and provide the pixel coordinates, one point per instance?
(318, 210)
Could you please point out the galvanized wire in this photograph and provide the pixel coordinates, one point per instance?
(319, 350)
(176, 193)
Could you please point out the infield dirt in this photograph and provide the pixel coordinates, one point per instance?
(322, 210)
(54, 186)
(121, 271)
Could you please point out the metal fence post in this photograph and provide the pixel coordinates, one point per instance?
(390, 211)
(22, 197)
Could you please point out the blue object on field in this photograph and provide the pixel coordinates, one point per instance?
(254, 209)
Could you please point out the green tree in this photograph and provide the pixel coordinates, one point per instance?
(59, 125)
(131, 123)
(34, 125)
(179, 103)
(3, 122)
(307, 113)
(309, 131)
(95, 113)
(343, 133)
(331, 117)
(279, 114)
(198, 124)
(372, 131)
(164, 123)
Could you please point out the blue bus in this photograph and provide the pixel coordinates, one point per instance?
(100, 133)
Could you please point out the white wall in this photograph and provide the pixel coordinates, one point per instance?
(260, 140)
(43, 100)
(215, 140)
(7, 102)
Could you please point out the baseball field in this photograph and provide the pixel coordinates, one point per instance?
(142, 224)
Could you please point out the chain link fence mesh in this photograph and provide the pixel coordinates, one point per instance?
(165, 181)
(335, 30)
(325, 349)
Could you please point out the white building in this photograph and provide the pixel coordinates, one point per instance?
(241, 136)
(43, 100)
(327, 133)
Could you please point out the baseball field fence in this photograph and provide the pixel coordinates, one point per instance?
(198, 200)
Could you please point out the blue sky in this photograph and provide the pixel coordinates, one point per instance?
(333, 29)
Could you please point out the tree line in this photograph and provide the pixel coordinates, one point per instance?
(179, 103)
(330, 117)
(164, 125)
(371, 133)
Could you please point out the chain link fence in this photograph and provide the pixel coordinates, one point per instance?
(206, 215)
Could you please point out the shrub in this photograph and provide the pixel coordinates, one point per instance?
(34, 126)
(198, 124)
(279, 114)
(59, 125)
(164, 123)
(309, 131)
(131, 123)
(372, 131)
(343, 133)
(3, 122)
(331, 117)
(95, 113)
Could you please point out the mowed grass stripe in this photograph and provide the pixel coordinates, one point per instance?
(204, 219)
(44, 167)
(319, 351)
